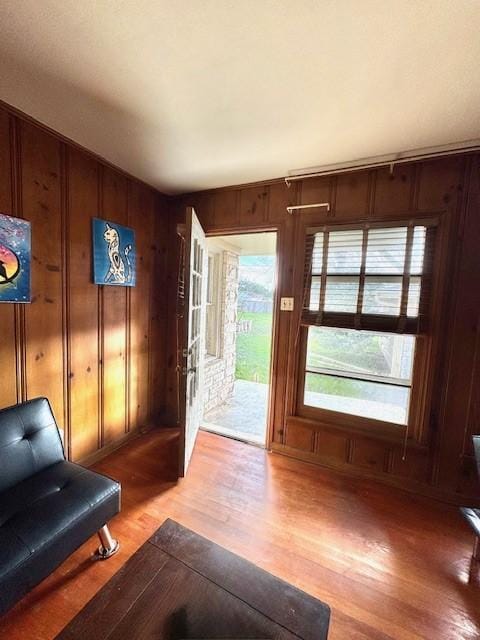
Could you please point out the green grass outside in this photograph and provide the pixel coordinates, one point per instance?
(254, 348)
(253, 357)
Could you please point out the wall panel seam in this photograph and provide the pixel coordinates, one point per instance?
(17, 204)
(66, 337)
(153, 260)
(101, 368)
(128, 328)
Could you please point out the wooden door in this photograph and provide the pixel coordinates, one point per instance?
(193, 347)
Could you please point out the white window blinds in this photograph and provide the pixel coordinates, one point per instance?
(368, 277)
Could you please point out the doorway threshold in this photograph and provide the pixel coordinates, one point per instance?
(249, 438)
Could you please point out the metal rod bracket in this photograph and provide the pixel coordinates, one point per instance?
(299, 207)
(476, 549)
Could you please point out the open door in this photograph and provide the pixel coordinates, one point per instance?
(192, 336)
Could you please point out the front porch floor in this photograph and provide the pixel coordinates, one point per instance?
(243, 415)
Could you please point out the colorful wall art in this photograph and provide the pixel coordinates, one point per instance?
(15, 256)
(113, 254)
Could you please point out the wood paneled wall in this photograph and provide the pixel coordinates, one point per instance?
(442, 467)
(97, 353)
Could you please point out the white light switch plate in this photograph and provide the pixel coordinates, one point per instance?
(286, 304)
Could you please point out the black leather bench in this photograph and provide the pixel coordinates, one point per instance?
(48, 506)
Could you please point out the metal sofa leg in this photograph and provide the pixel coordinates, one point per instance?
(109, 546)
(476, 548)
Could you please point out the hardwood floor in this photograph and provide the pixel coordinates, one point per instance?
(390, 565)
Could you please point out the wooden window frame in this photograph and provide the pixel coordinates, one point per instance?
(417, 430)
(371, 426)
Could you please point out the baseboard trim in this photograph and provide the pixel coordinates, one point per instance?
(98, 455)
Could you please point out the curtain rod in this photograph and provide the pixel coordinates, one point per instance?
(385, 161)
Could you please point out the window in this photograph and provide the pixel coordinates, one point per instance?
(368, 278)
(362, 373)
(365, 308)
(212, 340)
(210, 279)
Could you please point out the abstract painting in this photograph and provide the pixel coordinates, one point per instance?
(113, 254)
(15, 256)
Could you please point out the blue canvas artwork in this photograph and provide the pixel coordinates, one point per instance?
(15, 257)
(113, 254)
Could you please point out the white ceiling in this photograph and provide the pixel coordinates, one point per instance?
(192, 94)
(246, 244)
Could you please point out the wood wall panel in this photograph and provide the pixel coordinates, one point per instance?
(440, 183)
(114, 321)
(226, 208)
(205, 209)
(330, 447)
(464, 332)
(8, 347)
(140, 211)
(42, 206)
(5, 163)
(279, 198)
(442, 466)
(351, 196)
(160, 312)
(316, 190)
(253, 206)
(369, 454)
(394, 189)
(88, 349)
(415, 466)
(82, 305)
(300, 438)
(282, 329)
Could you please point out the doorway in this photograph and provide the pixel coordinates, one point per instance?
(239, 318)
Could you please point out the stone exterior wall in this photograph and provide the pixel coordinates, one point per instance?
(220, 370)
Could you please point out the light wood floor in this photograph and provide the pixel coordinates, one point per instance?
(390, 565)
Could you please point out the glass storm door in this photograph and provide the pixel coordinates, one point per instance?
(193, 351)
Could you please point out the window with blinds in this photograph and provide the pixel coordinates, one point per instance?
(369, 277)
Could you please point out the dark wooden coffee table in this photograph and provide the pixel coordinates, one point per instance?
(179, 585)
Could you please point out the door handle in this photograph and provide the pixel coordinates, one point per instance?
(186, 371)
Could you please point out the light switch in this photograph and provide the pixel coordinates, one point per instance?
(286, 304)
